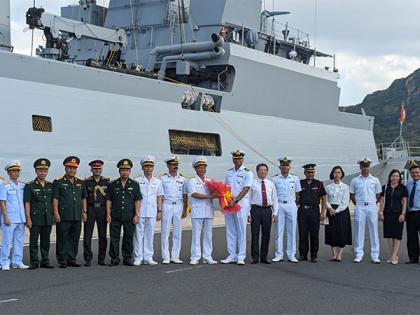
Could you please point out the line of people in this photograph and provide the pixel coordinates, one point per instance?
(135, 205)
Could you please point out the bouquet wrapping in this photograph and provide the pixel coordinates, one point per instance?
(224, 193)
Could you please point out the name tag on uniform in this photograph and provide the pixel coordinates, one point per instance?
(12, 192)
(180, 182)
(37, 190)
(65, 185)
(130, 188)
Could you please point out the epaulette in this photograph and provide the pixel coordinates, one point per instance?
(246, 169)
(108, 180)
(31, 182)
(275, 175)
(5, 183)
(230, 169)
(163, 174)
(88, 178)
(115, 180)
(1, 178)
(60, 177)
(186, 177)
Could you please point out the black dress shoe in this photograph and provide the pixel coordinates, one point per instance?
(410, 262)
(303, 258)
(101, 263)
(62, 265)
(47, 266)
(313, 260)
(265, 261)
(127, 263)
(87, 264)
(114, 263)
(73, 264)
(254, 261)
(33, 266)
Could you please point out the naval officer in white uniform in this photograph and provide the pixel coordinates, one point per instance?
(365, 193)
(13, 218)
(240, 180)
(202, 213)
(288, 188)
(150, 212)
(173, 206)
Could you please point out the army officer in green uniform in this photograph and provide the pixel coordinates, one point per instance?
(39, 214)
(70, 208)
(122, 209)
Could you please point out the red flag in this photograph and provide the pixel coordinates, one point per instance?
(402, 115)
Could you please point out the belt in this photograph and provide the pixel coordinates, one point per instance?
(308, 206)
(366, 203)
(97, 205)
(263, 207)
(285, 201)
(172, 202)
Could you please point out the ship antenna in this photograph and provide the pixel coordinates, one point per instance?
(32, 39)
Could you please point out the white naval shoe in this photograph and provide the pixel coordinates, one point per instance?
(277, 259)
(293, 260)
(193, 262)
(150, 262)
(137, 262)
(177, 261)
(228, 260)
(20, 266)
(166, 261)
(376, 260)
(209, 261)
(240, 262)
(5, 268)
(358, 260)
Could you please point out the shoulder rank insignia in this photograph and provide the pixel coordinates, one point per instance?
(230, 169)
(60, 177)
(5, 183)
(246, 169)
(275, 175)
(31, 182)
(161, 175)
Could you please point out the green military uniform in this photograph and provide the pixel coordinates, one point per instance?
(122, 213)
(41, 213)
(70, 207)
(96, 212)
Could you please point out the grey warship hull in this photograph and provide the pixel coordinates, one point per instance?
(274, 107)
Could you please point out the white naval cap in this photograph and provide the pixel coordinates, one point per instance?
(13, 165)
(173, 159)
(365, 160)
(199, 160)
(147, 160)
(238, 154)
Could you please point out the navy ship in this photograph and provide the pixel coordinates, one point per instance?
(173, 77)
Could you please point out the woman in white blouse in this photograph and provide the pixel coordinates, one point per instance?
(338, 231)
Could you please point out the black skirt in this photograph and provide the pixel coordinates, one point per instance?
(392, 227)
(338, 231)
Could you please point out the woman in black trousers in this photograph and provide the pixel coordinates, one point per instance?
(392, 212)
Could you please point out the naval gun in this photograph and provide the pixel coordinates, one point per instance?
(60, 31)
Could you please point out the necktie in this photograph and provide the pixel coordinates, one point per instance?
(264, 194)
(412, 193)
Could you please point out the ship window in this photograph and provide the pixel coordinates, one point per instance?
(194, 143)
(41, 123)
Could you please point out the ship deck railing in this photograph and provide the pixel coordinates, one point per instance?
(410, 149)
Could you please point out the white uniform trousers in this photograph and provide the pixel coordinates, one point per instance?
(287, 215)
(236, 234)
(361, 215)
(171, 214)
(143, 239)
(198, 226)
(13, 235)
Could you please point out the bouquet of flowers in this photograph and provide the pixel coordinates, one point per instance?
(224, 193)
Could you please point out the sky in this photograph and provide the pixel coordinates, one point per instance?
(375, 41)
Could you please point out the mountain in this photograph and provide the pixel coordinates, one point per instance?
(385, 106)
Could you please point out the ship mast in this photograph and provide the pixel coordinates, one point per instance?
(5, 43)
